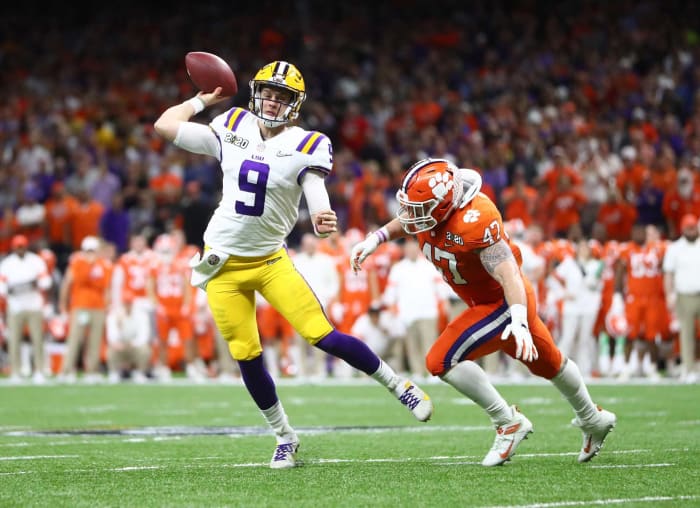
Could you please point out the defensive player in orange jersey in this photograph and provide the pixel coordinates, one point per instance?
(131, 273)
(461, 231)
(639, 276)
(172, 295)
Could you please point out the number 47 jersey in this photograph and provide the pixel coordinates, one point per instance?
(261, 183)
(453, 247)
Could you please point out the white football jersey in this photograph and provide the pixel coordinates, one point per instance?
(262, 183)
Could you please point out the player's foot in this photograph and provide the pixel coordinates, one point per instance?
(595, 433)
(415, 399)
(285, 455)
(508, 437)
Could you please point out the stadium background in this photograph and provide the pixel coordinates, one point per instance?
(504, 87)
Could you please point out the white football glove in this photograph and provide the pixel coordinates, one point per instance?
(525, 350)
(361, 250)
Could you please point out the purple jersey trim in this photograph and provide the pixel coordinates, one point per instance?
(324, 171)
(304, 141)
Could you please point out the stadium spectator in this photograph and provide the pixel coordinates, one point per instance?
(60, 207)
(630, 178)
(682, 288)
(563, 207)
(682, 200)
(197, 209)
(30, 216)
(85, 296)
(115, 224)
(616, 215)
(23, 277)
(86, 217)
(519, 200)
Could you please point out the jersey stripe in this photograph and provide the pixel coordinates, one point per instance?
(234, 118)
(310, 142)
(474, 336)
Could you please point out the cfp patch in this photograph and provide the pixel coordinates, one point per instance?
(213, 259)
(238, 141)
(452, 238)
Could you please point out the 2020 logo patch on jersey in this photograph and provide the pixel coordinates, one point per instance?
(238, 141)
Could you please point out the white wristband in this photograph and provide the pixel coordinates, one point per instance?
(196, 103)
(382, 234)
(518, 312)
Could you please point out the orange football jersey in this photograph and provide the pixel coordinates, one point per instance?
(453, 247)
(643, 264)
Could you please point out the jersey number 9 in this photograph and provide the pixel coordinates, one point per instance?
(252, 179)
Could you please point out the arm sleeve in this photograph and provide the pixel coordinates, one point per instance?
(315, 192)
(197, 138)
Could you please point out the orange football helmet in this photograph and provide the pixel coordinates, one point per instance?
(431, 190)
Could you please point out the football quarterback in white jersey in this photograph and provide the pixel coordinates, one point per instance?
(267, 164)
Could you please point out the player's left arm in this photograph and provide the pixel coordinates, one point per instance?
(323, 217)
(318, 163)
(499, 262)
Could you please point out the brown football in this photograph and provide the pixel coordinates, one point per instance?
(207, 71)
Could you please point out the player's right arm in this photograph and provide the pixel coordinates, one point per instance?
(176, 118)
(392, 230)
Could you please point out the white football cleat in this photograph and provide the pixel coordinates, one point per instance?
(595, 433)
(285, 455)
(508, 437)
(415, 399)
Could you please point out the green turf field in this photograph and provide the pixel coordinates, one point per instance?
(183, 445)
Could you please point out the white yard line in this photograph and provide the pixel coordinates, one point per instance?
(597, 502)
(39, 457)
(134, 468)
(625, 466)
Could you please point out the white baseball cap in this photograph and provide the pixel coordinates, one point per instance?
(90, 243)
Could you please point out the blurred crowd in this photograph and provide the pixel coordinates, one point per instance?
(582, 117)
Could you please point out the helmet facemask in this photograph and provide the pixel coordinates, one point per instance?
(288, 110)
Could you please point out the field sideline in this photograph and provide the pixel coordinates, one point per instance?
(187, 445)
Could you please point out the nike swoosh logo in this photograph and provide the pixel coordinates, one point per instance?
(273, 260)
(505, 454)
(284, 154)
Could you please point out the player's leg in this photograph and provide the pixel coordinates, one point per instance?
(595, 422)
(471, 335)
(289, 293)
(239, 329)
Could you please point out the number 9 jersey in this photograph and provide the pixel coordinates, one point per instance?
(261, 183)
(453, 247)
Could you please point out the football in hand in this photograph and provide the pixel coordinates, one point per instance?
(208, 71)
